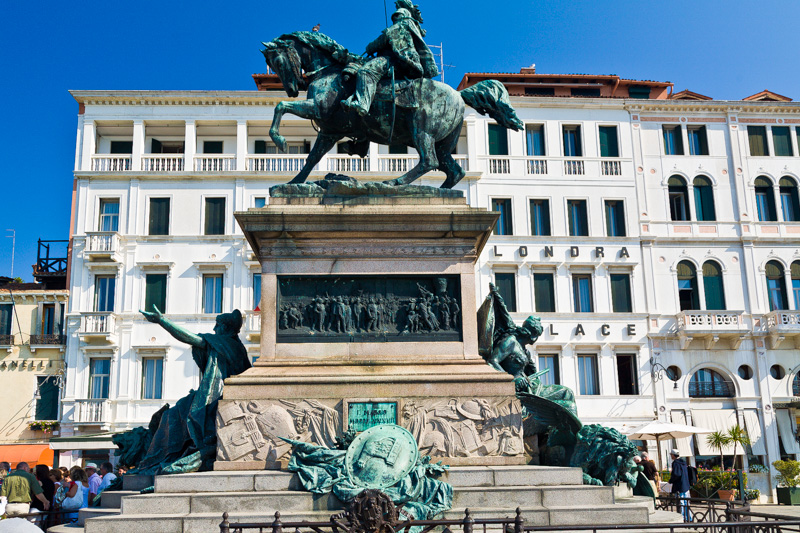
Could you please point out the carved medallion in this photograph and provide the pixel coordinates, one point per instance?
(381, 456)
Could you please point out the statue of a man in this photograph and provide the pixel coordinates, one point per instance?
(184, 435)
(400, 46)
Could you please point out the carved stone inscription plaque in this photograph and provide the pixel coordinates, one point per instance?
(364, 415)
(368, 308)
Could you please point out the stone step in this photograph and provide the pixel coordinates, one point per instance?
(458, 476)
(136, 482)
(92, 512)
(209, 522)
(113, 499)
(496, 497)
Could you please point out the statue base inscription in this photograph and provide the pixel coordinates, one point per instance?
(323, 369)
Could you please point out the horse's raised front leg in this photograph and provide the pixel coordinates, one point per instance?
(303, 109)
(323, 143)
(427, 160)
(447, 164)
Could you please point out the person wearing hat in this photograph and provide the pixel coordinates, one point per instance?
(94, 479)
(679, 477)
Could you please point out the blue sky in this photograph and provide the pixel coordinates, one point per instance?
(725, 49)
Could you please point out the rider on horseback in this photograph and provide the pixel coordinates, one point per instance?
(400, 46)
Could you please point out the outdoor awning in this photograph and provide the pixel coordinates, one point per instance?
(33, 454)
(753, 427)
(100, 441)
(785, 431)
(683, 444)
(717, 419)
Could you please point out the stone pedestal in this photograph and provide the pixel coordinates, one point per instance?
(340, 344)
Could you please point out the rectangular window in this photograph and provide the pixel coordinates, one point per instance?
(109, 215)
(6, 312)
(166, 147)
(673, 140)
(615, 218)
(506, 284)
(534, 139)
(121, 147)
(578, 219)
(775, 289)
(159, 216)
(757, 136)
(544, 292)
(498, 140)
(47, 395)
(152, 378)
(796, 292)
(572, 141)
(398, 149)
(585, 92)
(259, 201)
(582, 293)
(549, 362)
(260, 147)
(215, 216)
(782, 141)
(698, 140)
(104, 290)
(99, 378)
(609, 146)
(503, 206)
(212, 147)
(212, 294)
(257, 292)
(587, 375)
(155, 292)
(764, 204)
(540, 217)
(639, 91)
(627, 375)
(621, 293)
(48, 322)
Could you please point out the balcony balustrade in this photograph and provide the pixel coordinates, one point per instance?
(346, 163)
(276, 162)
(782, 325)
(498, 165)
(48, 339)
(215, 162)
(537, 166)
(252, 325)
(102, 245)
(611, 168)
(97, 325)
(6, 340)
(111, 163)
(574, 167)
(711, 326)
(92, 412)
(711, 389)
(162, 162)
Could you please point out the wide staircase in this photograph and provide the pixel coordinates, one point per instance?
(194, 503)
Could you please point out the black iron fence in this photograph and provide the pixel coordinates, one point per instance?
(711, 389)
(379, 515)
(47, 339)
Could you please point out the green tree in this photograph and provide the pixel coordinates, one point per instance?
(719, 440)
(738, 436)
(788, 473)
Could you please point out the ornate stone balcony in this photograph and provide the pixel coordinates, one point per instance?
(97, 326)
(711, 326)
(102, 246)
(111, 163)
(782, 325)
(252, 325)
(92, 412)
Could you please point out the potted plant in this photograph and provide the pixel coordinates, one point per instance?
(719, 440)
(738, 436)
(43, 425)
(788, 481)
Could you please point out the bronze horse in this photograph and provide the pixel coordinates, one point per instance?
(428, 118)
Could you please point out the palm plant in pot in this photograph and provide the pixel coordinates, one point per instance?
(788, 482)
(719, 440)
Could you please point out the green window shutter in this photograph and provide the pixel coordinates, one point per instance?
(6, 310)
(498, 140)
(121, 147)
(159, 216)
(544, 293)
(260, 147)
(507, 287)
(608, 141)
(781, 141)
(757, 135)
(621, 293)
(47, 402)
(639, 91)
(215, 216)
(713, 288)
(155, 292)
(212, 147)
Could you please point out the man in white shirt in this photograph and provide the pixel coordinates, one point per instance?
(107, 471)
(94, 480)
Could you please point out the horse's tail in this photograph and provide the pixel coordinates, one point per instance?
(491, 97)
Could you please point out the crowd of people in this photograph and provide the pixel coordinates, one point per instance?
(49, 496)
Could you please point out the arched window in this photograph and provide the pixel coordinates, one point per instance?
(678, 198)
(687, 286)
(796, 283)
(790, 205)
(704, 199)
(707, 383)
(796, 385)
(713, 287)
(765, 201)
(776, 286)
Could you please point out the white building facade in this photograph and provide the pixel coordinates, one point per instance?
(650, 235)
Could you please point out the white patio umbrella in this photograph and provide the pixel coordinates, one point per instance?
(658, 431)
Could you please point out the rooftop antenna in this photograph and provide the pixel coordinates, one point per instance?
(440, 55)
(13, 238)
